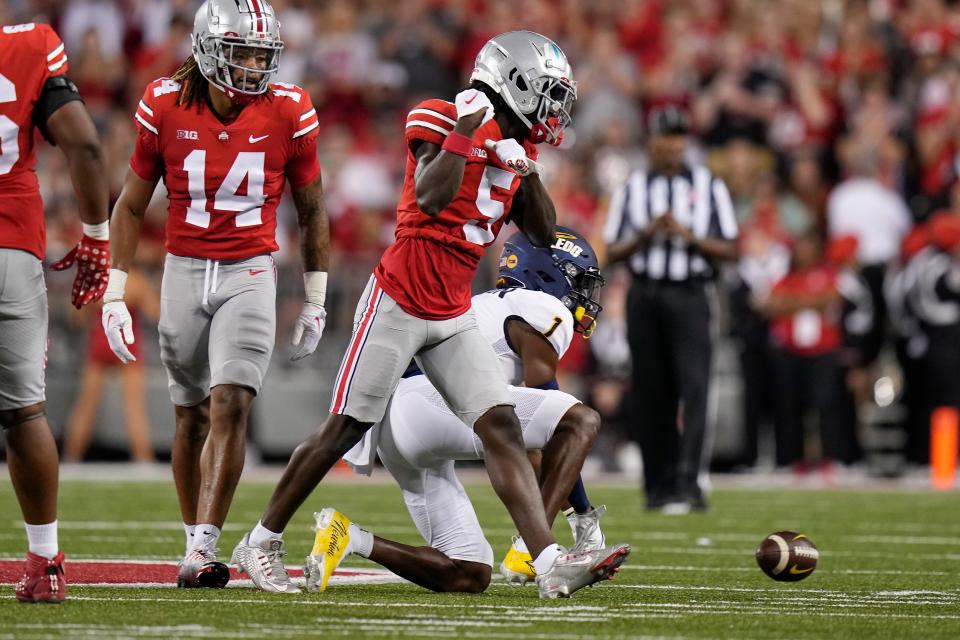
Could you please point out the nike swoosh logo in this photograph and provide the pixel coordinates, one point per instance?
(798, 572)
(472, 99)
(255, 272)
(255, 140)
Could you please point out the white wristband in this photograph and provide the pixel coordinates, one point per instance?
(99, 231)
(115, 286)
(315, 287)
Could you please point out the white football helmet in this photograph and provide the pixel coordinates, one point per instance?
(534, 78)
(224, 32)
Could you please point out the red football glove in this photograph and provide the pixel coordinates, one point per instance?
(93, 269)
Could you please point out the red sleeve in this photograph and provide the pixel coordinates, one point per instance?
(303, 167)
(56, 57)
(146, 161)
(430, 121)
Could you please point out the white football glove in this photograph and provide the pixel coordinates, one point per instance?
(118, 325)
(512, 154)
(469, 101)
(309, 328)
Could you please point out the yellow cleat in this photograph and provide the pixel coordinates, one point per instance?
(330, 547)
(517, 566)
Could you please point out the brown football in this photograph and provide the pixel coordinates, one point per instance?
(787, 556)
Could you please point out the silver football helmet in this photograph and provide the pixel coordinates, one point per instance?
(225, 32)
(534, 78)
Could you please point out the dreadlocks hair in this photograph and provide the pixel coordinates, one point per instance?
(193, 84)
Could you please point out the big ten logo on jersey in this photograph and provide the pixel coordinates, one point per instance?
(183, 134)
(565, 243)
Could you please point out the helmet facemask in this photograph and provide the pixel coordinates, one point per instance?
(583, 300)
(231, 53)
(557, 96)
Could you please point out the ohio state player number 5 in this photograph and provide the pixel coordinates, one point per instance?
(249, 165)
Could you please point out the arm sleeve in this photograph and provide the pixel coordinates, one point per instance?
(57, 91)
(303, 164)
(303, 167)
(147, 162)
(56, 57)
(547, 315)
(429, 121)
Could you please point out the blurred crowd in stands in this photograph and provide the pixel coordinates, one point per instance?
(836, 124)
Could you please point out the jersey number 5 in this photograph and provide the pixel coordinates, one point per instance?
(248, 165)
(9, 130)
(478, 231)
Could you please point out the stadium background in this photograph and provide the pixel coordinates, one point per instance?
(806, 82)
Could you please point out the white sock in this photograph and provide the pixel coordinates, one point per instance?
(520, 545)
(260, 534)
(547, 557)
(42, 539)
(205, 537)
(188, 530)
(361, 541)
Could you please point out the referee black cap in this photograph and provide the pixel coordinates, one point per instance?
(668, 120)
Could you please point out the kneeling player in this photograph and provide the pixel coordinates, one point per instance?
(420, 439)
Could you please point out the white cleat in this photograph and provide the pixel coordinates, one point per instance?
(264, 565)
(577, 569)
(585, 527)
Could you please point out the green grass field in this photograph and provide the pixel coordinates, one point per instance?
(889, 568)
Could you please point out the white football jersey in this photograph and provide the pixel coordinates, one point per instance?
(540, 310)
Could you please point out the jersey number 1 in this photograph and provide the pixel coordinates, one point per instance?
(9, 130)
(249, 165)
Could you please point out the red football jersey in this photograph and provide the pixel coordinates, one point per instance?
(429, 268)
(224, 179)
(808, 332)
(30, 54)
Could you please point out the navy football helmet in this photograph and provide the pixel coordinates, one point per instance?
(567, 270)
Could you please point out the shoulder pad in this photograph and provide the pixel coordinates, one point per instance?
(431, 120)
(544, 313)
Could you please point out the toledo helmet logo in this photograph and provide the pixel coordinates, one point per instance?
(568, 246)
(511, 262)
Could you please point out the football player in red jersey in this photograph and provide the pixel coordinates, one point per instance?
(470, 165)
(225, 141)
(35, 92)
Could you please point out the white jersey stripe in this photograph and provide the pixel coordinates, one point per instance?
(146, 124)
(147, 110)
(53, 54)
(307, 129)
(57, 65)
(308, 114)
(428, 125)
(433, 114)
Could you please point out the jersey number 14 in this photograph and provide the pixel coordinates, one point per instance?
(249, 165)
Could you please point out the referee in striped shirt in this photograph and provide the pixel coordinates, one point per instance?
(672, 224)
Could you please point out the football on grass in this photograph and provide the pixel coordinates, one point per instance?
(787, 556)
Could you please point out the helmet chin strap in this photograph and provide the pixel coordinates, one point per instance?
(540, 133)
(236, 97)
